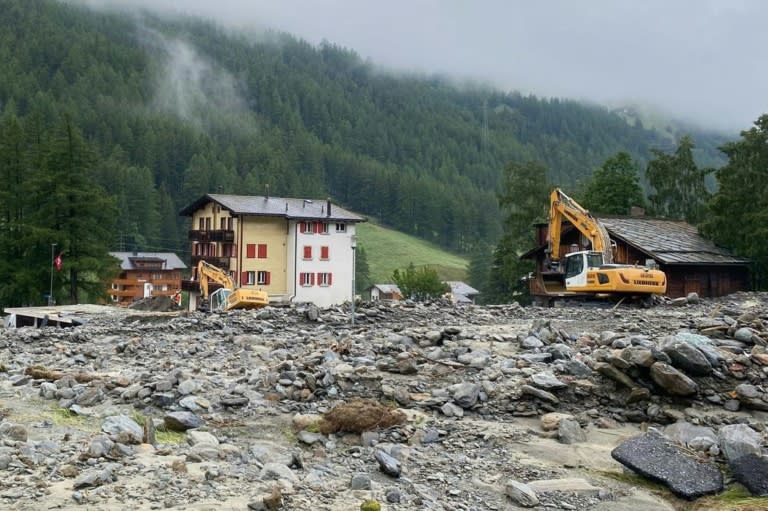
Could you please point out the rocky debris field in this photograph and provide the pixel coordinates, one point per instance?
(414, 406)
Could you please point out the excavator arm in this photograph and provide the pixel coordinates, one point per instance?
(206, 272)
(562, 207)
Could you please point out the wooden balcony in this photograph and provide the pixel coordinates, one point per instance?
(220, 236)
(194, 286)
(219, 262)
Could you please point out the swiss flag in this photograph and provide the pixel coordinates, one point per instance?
(57, 263)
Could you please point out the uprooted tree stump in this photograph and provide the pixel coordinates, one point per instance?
(358, 416)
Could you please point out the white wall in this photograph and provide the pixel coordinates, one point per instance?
(339, 264)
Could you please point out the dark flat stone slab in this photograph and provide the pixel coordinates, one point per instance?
(653, 456)
(751, 470)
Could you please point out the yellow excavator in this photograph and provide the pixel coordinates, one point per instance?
(590, 272)
(226, 297)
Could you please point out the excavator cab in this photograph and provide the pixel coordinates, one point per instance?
(576, 266)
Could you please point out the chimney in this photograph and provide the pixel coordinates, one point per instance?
(329, 207)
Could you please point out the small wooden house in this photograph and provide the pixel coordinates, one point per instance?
(691, 263)
(144, 274)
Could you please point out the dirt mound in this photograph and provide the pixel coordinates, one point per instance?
(358, 416)
(155, 304)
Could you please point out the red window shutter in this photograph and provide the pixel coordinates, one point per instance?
(312, 279)
(323, 252)
(301, 278)
(307, 252)
(262, 250)
(267, 278)
(244, 278)
(250, 250)
(330, 279)
(302, 227)
(316, 227)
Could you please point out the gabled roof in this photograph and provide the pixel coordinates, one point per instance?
(297, 209)
(169, 260)
(387, 288)
(668, 241)
(460, 288)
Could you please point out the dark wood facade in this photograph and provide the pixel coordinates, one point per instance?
(691, 263)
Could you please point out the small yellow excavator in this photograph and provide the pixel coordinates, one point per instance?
(591, 272)
(226, 297)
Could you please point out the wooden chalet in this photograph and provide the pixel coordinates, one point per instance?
(691, 263)
(144, 274)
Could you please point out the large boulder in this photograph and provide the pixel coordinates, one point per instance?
(672, 380)
(655, 457)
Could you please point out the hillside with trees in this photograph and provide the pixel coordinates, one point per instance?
(167, 110)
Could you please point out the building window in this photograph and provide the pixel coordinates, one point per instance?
(262, 251)
(229, 250)
(223, 224)
(322, 227)
(263, 278)
(324, 253)
(341, 227)
(230, 223)
(248, 278)
(201, 224)
(306, 279)
(307, 252)
(207, 223)
(306, 227)
(324, 279)
(250, 250)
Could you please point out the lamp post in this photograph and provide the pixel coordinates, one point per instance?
(353, 243)
(50, 291)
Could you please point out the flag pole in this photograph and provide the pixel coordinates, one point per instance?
(50, 292)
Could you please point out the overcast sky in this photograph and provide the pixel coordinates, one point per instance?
(701, 60)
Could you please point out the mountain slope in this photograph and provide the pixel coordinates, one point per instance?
(202, 109)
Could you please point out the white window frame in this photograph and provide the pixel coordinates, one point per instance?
(261, 278)
(323, 278)
(251, 280)
(305, 279)
(324, 228)
(308, 227)
(341, 227)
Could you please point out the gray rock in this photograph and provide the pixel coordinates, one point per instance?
(569, 432)
(387, 463)
(360, 482)
(672, 380)
(693, 298)
(466, 395)
(309, 437)
(683, 433)
(182, 421)
(539, 393)
(124, 426)
(100, 446)
(737, 440)
(94, 478)
(531, 342)
(188, 387)
(653, 456)
(277, 471)
(688, 358)
(751, 470)
(451, 410)
(195, 437)
(745, 390)
(521, 494)
(743, 334)
(547, 381)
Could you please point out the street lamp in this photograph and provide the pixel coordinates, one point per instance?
(353, 243)
(50, 291)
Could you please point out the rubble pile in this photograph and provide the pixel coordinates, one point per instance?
(431, 406)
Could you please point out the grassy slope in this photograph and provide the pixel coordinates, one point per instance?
(388, 249)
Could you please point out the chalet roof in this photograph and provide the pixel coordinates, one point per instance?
(386, 288)
(297, 209)
(460, 288)
(668, 241)
(170, 260)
